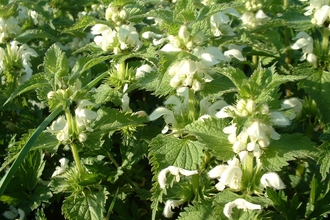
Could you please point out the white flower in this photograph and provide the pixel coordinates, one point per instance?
(240, 204)
(321, 15)
(18, 55)
(142, 70)
(106, 38)
(294, 105)
(84, 116)
(305, 42)
(128, 37)
(63, 165)
(277, 118)
(169, 205)
(219, 22)
(60, 128)
(9, 28)
(228, 175)
(251, 19)
(271, 179)
(175, 171)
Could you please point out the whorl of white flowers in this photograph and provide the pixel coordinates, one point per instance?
(320, 10)
(17, 57)
(121, 38)
(305, 43)
(9, 28)
(115, 14)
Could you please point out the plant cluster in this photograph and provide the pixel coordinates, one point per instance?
(155, 109)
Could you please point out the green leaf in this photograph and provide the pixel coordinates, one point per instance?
(210, 133)
(171, 151)
(297, 20)
(7, 177)
(279, 200)
(279, 152)
(218, 86)
(236, 76)
(33, 34)
(34, 83)
(110, 120)
(208, 11)
(8, 10)
(40, 195)
(56, 64)
(317, 85)
(104, 93)
(203, 210)
(323, 159)
(184, 11)
(85, 22)
(87, 205)
(31, 169)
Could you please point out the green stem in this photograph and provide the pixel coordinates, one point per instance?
(285, 3)
(73, 146)
(191, 106)
(325, 41)
(255, 60)
(76, 157)
(7, 177)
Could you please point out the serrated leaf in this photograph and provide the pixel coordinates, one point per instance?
(87, 205)
(166, 15)
(34, 83)
(171, 151)
(210, 132)
(56, 63)
(198, 211)
(85, 22)
(317, 85)
(104, 93)
(110, 120)
(31, 169)
(236, 76)
(34, 34)
(279, 152)
(219, 86)
(40, 195)
(271, 24)
(210, 10)
(297, 20)
(184, 11)
(325, 164)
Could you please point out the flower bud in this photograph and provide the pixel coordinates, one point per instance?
(123, 14)
(51, 95)
(82, 137)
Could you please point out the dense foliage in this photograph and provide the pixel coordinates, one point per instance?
(154, 109)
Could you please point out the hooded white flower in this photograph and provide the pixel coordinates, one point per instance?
(305, 43)
(175, 171)
(228, 175)
(60, 128)
(219, 22)
(9, 28)
(84, 115)
(106, 37)
(128, 37)
(13, 213)
(239, 204)
(18, 56)
(261, 133)
(63, 165)
(251, 19)
(271, 179)
(294, 105)
(142, 70)
(169, 205)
